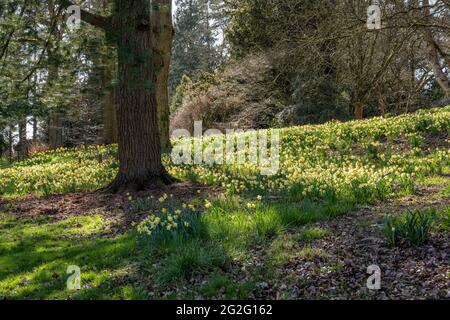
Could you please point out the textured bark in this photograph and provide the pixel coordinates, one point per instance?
(109, 105)
(164, 47)
(138, 136)
(139, 143)
(55, 131)
(110, 134)
(359, 111)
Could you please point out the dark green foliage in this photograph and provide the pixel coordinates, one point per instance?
(195, 45)
(412, 228)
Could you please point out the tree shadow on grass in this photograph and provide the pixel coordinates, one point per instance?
(34, 260)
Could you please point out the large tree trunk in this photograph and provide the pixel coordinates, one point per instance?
(110, 134)
(139, 144)
(163, 46)
(109, 105)
(55, 131)
(359, 110)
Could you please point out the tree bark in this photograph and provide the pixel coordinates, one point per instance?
(359, 110)
(139, 151)
(55, 131)
(139, 143)
(110, 135)
(163, 46)
(433, 59)
(109, 105)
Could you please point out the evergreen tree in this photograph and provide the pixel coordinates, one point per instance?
(196, 36)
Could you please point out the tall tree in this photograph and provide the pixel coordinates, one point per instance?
(129, 28)
(194, 45)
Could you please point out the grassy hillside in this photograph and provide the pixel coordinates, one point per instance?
(233, 242)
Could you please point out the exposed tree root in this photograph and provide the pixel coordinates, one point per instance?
(123, 183)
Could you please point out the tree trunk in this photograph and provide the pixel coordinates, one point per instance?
(139, 144)
(359, 110)
(109, 105)
(55, 133)
(109, 98)
(163, 30)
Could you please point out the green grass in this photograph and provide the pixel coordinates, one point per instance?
(313, 233)
(221, 286)
(35, 254)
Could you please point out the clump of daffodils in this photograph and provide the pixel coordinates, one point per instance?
(168, 224)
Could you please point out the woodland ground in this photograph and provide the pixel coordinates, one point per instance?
(308, 233)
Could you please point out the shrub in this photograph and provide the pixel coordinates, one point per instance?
(243, 96)
(36, 147)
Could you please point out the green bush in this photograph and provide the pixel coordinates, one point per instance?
(412, 228)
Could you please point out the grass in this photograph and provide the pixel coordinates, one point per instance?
(220, 285)
(35, 254)
(192, 250)
(313, 233)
